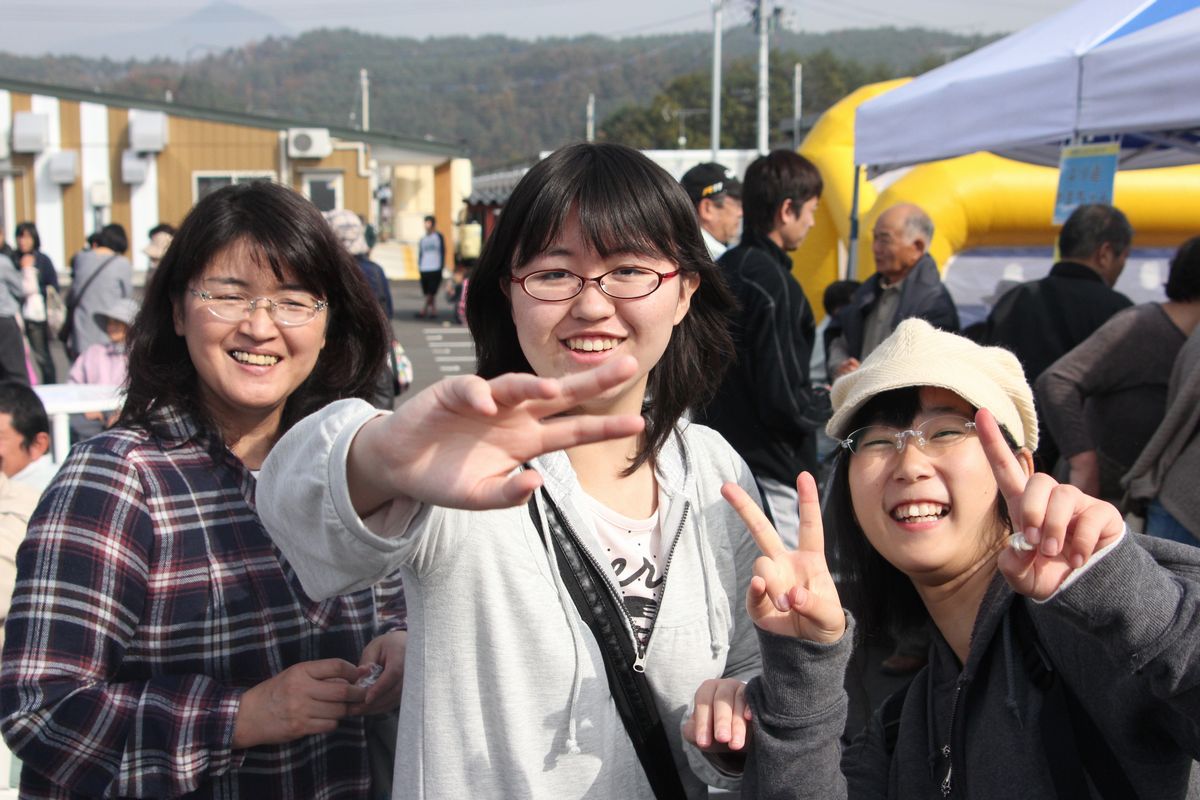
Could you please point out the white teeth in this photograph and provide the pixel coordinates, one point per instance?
(257, 359)
(919, 512)
(592, 345)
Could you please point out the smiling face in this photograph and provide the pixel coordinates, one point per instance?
(247, 369)
(895, 248)
(561, 338)
(930, 513)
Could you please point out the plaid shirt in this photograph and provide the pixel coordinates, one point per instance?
(148, 599)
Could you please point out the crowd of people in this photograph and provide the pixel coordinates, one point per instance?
(599, 567)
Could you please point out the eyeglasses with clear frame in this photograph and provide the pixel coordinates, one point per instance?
(933, 436)
(622, 283)
(291, 309)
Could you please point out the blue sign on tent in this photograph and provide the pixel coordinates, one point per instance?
(1085, 175)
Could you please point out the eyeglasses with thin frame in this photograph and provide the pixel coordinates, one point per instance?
(291, 309)
(622, 283)
(933, 436)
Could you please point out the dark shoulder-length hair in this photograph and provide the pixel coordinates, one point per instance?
(286, 234)
(626, 204)
(882, 598)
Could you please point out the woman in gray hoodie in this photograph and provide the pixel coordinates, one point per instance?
(1064, 659)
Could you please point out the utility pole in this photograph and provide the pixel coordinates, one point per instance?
(763, 130)
(591, 118)
(365, 88)
(797, 103)
(715, 129)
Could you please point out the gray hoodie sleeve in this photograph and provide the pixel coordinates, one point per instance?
(799, 708)
(1144, 609)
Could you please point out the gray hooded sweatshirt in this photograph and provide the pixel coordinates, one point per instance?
(1123, 636)
(505, 692)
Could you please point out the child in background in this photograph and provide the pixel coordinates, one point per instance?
(103, 364)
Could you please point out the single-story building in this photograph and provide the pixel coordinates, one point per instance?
(73, 160)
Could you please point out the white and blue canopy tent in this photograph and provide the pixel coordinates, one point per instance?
(1100, 70)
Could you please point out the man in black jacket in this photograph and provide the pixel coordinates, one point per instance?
(765, 407)
(1042, 320)
(906, 284)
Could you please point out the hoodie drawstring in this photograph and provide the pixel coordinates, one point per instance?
(567, 605)
(708, 563)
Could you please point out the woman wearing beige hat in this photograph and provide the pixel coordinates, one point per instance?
(1064, 660)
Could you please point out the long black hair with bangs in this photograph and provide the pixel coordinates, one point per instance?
(626, 204)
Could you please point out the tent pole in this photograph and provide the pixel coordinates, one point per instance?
(852, 261)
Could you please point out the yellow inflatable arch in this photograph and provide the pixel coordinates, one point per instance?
(978, 200)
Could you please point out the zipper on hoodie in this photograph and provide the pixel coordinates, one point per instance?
(639, 661)
(947, 785)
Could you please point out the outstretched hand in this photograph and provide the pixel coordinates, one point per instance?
(1064, 526)
(792, 592)
(457, 443)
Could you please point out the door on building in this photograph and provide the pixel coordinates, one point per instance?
(324, 189)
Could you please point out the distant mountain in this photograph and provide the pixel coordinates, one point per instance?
(212, 29)
(507, 99)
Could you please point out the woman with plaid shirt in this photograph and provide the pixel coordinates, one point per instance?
(158, 643)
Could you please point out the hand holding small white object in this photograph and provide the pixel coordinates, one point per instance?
(1057, 528)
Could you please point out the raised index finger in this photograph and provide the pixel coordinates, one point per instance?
(1010, 476)
(760, 527)
(812, 530)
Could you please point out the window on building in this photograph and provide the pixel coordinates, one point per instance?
(324, 189)
(205, 183)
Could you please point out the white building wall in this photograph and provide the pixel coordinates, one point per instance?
(9, 200)
(94, 162)
(143, 208)
(49, 203)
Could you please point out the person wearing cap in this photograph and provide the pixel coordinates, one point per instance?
(1064, 649)
(103, 364)
(906, 284)
(717, 196)
(766, 407)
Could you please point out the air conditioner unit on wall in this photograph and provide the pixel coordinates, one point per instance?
(309, 143)
(147, 131)
(30, 132)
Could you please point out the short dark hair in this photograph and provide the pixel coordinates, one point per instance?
(1183, 281)
(162, 227)
(285, 232)
(31, 229)
(1091, 226)
(25, 407)
(625, 203)
(93, 239)
(431, 219)
(838, 295)
(771, 180)
(113, 237)
(882, 597)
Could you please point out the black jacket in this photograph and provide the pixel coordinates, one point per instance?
(1042, 320)
(922, 294)
(765, 406)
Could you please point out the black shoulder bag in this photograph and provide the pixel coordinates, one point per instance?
(630, 690)
(68, 326)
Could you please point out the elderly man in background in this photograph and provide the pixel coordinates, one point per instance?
(717, 196)
(906, 284)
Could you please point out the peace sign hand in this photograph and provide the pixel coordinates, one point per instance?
(1062, 526)
(792, 592)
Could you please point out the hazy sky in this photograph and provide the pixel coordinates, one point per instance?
(35, 26)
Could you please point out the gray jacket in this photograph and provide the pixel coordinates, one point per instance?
(505, 692)
(1122, 637)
